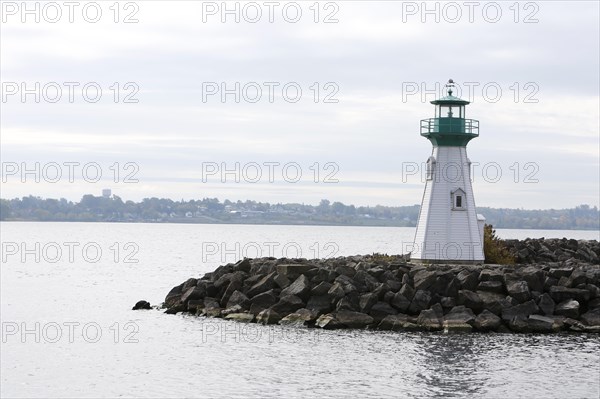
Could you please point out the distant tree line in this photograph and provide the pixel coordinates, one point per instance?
(210, 210)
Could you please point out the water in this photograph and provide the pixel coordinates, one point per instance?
(68, 331)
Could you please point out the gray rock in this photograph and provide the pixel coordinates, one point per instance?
(268, 316)
(591, 317)
(407, 291)
(354, 319)
(281, 281)
(321, 289)
(243, 265)
(141, 305)
(380, 310)
(491, 275)
(238, 298)
(347, 303)
(336, 292)
(546, 305)
(429, 320)
(293, 270)
(494, 302)
(240, 317)
(540, 324)
(460, 315)
(400, 302)
(560, 294)
(321, 304)
(468, 280)
(424, 279)
(300, 288)
(568, 308)
(288, 304)
(470, 299)
(487, 321)
(491, 286)
(174, 296)
(301, 317)
(519, 290)
(265, 284)
(557, 273)
(420, 302)
(264, 299)
(366, 301)
(522, 311)
(328, 322)
(393, 322)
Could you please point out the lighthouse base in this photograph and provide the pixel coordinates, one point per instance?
(447, 262)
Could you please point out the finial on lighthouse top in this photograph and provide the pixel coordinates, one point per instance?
(450, 85)
(450, 99)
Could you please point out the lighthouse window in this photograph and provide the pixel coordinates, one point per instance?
(458, 200)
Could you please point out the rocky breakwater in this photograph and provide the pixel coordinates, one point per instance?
(390, 293)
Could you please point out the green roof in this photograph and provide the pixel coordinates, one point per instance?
(450, 100)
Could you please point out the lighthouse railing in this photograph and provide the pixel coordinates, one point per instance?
(450, 126)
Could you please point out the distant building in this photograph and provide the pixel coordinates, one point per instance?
(106, 193)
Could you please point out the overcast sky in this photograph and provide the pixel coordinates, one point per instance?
(532, 69)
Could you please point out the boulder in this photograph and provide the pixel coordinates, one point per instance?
(592, 317)
(519, 290)
(366, 301)
(264, 300)
(393, 322)
(243, 265)
(420, 302)
(281, 281)
(491, 286)
(347, 303)
(265, 284)
(354, 319)
(568, 308)
(336, 291)
(238, 298)
(293, 270)
(456, 327)
(179, 307)
(241, 317)
(493, 301)
(540, 324)
(300, 288)
(380, 310)
(460, 315)
(522, 311)
(268, 316)
(560, 294)
(321, 304)
(424, 279)
(407, 291)
(546, 304)
(328, 322)
(468, 280)
(491, 275)
(470, 300)
(174, 296)
(487, 321)
(288, 304)
(321, 289)
(429, 320)
(300, 318)
(141, 305)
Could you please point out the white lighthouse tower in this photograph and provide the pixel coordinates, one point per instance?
(449, 229)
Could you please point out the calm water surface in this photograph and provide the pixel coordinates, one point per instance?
(68, 331)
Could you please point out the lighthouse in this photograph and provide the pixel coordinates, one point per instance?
(449, 230)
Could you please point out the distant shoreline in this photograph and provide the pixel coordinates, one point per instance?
(258, 223)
